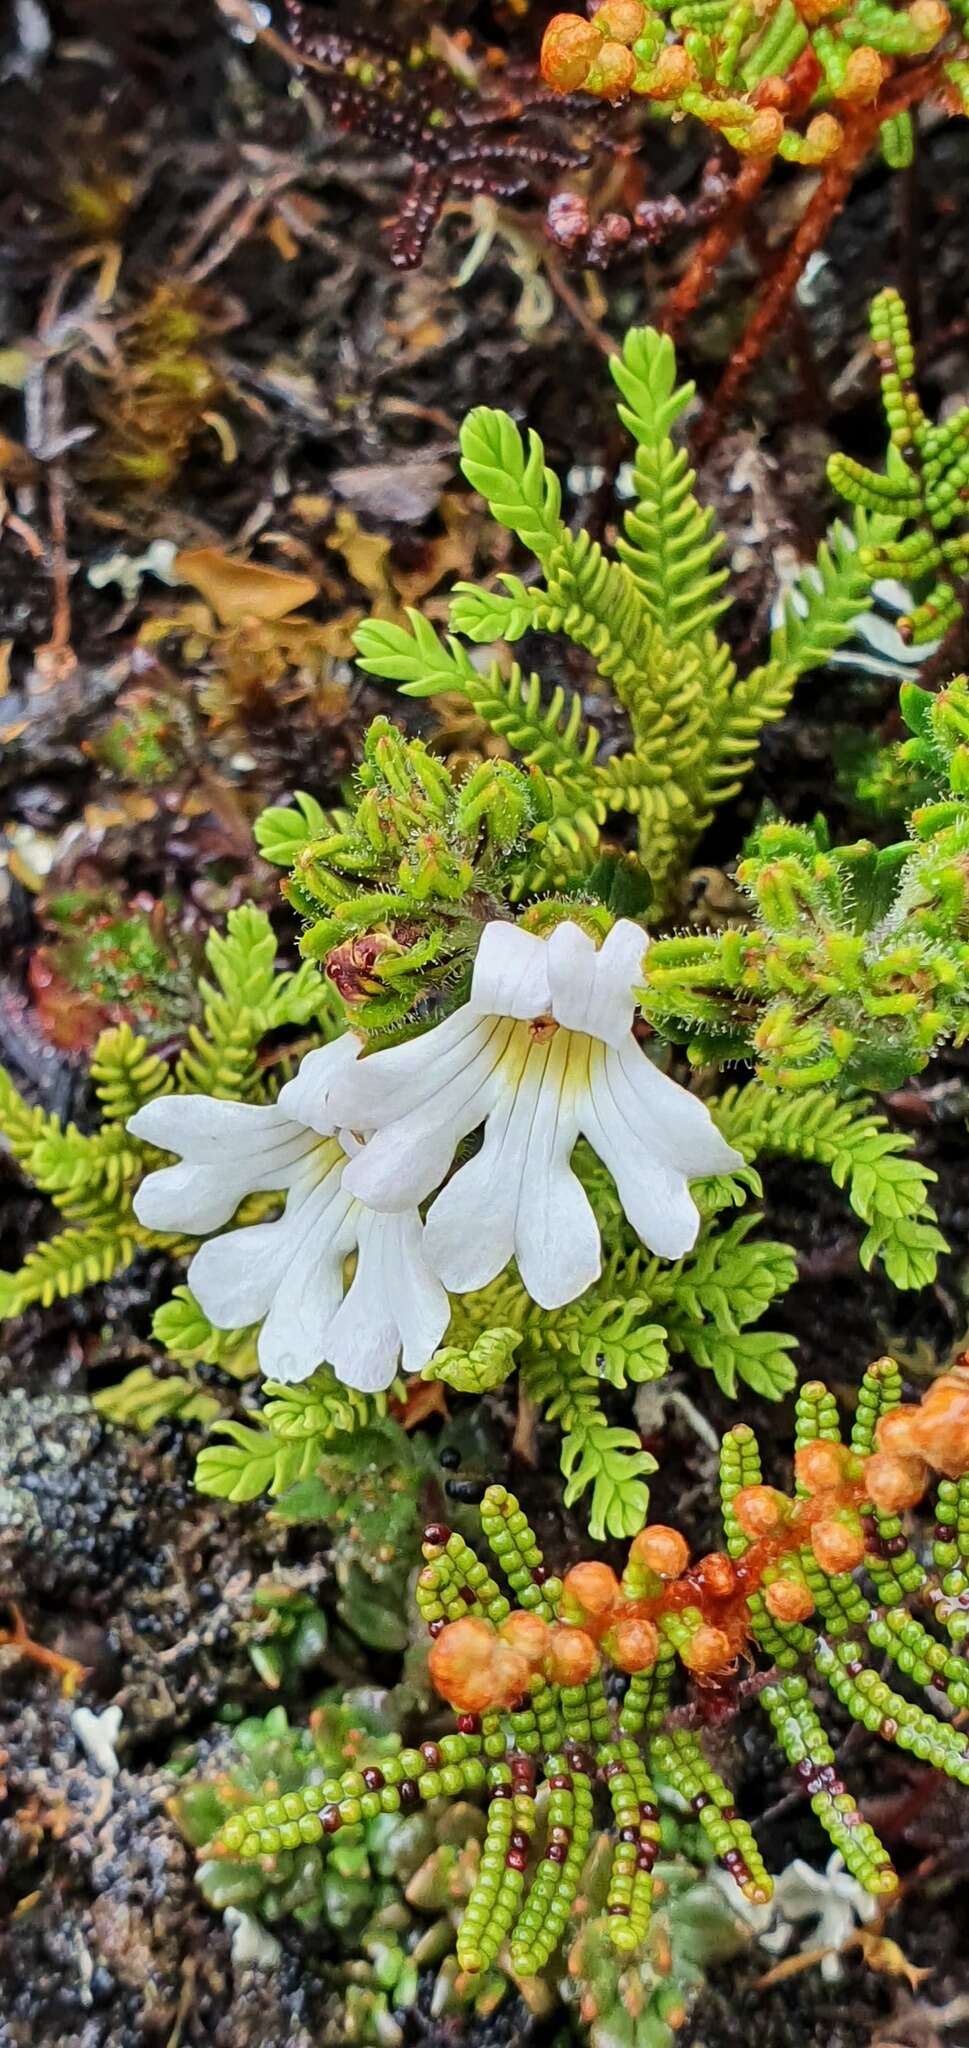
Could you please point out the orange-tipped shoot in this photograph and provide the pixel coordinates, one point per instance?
(761, 1510)
(789, 1599)
(572, 1656)
(570, 47)
(708, 1651)
(632, 1644)
(894, 1483)
(660, 1550)
(589, 1594)
(528, 1636)
(821, 1467)
(838, 1542)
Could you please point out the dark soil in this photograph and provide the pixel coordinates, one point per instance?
(342, 383)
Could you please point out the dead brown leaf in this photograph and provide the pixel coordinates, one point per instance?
(241, 590)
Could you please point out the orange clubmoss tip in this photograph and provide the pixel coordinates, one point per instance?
(838, 1542)
(822, 1467)
(761, 1510)
(789, 1600)
(893, 1483)
(569, 49)
(937, 1428)
(704, 1608)
(708, 1651)
(632, 1643)
(589, 1595)
(660, 1550)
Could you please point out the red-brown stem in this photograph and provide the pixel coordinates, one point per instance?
(718, 242)
(861, 129)
(715, 245)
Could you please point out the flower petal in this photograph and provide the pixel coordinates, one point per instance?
(675, 1126)
(557, 1241)
(510, 977)
(203, 1128)
(470, 1230)
(306, 1097)
(654, 1196)
(592, 989)
(289, 1272)
(190, 1199)
(519, 1195)
(385, 1085)
(393, 1300)
(411, 1153)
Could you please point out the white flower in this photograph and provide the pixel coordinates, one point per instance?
(288, 1275)
(542, 1052)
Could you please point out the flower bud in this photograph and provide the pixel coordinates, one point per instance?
(570, 47)
(893, 1483)
(709, 1650)
(838, 1543)
(660, 1550)
(761, 1510)
(572, 1656)
(789, 1599)
(350, 966)
(589, 1594)
(632, 1644)
(820, 1467)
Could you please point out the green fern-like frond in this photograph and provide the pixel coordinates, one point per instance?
(711, 1297)
(603, 1459)
(669, 541)
(125, 1073)
(245, 999)
(821, 607)
(521, 491)
(180, 1326)
(284, 1443)
(67, 1264)
(886, 1187)
(144, 1398)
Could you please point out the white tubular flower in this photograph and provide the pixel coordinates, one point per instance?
(542, 1052)
(288, 1275)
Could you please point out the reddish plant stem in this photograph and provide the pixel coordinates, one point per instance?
(718, 242)
(715, 246)
(861, 130)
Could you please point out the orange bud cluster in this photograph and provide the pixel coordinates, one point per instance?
(478, 1667)
(596, 54)
(937, 1429)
